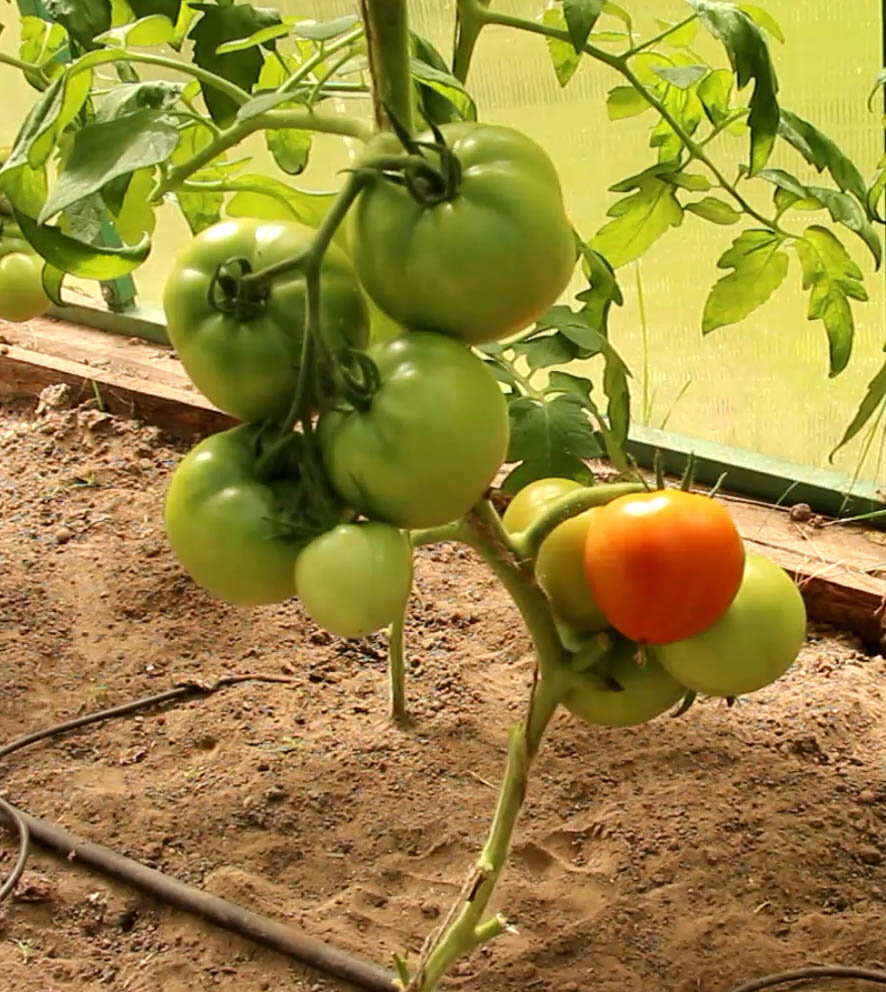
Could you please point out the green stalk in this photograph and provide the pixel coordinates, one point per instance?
(387, 42)
(467, 31)
(19, 64)
(304, 120)
(652, 42)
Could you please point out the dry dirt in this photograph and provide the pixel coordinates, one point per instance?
(683, 856)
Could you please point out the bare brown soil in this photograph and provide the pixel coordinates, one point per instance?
(683, 856)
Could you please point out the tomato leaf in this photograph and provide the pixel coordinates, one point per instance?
(155, 29)
(84, 20)
(136, 217)
(682, 76)
(200, 209)
(257, 195)
(759, 268)
(102, 152)
(875, 192)
(546, 350)
(573, 385)
(715, 210)
(764, 19)
(625, 101)
(325, 30)
(229, 23)
(290, 147)
(41, 43)
(614, 10)
(639, 221)
(833, 279)
(581, 16)
(551, 438)
(131, 97)
(879, 82)
(873, 398)
(168, 8)
(564, 57)
(682, 37)
(78, 258)
(52, 284)
(750, 60)
(715, 92)
(822, 153)
(432, 79)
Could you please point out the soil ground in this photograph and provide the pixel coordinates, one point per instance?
(682, 856)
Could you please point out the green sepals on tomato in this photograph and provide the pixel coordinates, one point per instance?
(225, 523)
(480, 265)
(22, 296)
(247, 360)
(355, 578)
(753, 643)
(665, 565)
(620, 691)
(430, 441)
(559, 563)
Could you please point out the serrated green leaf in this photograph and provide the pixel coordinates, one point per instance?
(574, 385)
(625, 101)
(84, 20)
(871, 402)
(764, 19)
(682, 76)
(436, 99)
(715, 92)
(546, 350)
(683, 37)
(79, 259)
(442, 82)
(784, 180)
(749, 56)
(102, 152)
(633, 182)
(503, 374)
(564, 58)
(546, 432)
(822, 153)
(833, 279)
(581, 16)
(639, 220)
(325, 30)
(759, 267)
(846, 210)
(715, 210)
(155, 29)
(217, 26)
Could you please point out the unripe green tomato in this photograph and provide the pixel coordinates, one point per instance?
(755, 641)
(559, 564)
(355, 578)
(22, 296)
(619, 691)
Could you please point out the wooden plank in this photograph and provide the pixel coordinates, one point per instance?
(25, 373)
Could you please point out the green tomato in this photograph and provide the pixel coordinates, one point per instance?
(247, 363)
(355, 578)
(559, 564)
(431, 441)
(619, 692)
(223, 521)
(755, 641)
(481, 265)
(530, 500)
(22, 296)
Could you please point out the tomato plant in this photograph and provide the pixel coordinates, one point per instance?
(22, 296)
(446, 262)
(620, 692)
(244, 351)
(355, 579)
(755, 641)
(663, 565)
(226, 524)
(430, 441)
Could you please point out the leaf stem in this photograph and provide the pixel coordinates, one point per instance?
(307, 67)
(305, 120)
(19, 64)
(524, 382)
(652, 42)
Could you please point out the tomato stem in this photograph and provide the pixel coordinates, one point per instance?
(565, 507)
(386, 24)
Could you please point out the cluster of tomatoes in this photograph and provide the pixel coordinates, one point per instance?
(474, 260)
(667, 571)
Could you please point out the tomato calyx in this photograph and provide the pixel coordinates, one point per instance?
(230, 292)
(429, 185)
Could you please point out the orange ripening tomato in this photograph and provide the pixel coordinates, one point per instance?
(664, 565)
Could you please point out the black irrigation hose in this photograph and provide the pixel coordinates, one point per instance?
(229, 916)
(808, 974)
